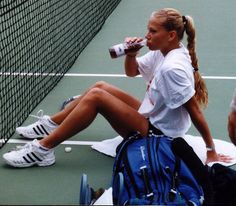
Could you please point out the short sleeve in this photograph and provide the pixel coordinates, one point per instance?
(176, 87)
(233, 103)
(147, 65)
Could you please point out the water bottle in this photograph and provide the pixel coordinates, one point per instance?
(123, 48)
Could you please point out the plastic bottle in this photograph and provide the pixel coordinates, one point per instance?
(123, 48)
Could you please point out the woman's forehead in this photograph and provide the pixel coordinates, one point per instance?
(155, 22)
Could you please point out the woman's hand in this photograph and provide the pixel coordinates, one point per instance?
(135, 48)
(213, 156)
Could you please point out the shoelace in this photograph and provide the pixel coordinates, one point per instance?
(19, 147)
(39, 115)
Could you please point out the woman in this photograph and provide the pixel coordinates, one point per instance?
(170, 100)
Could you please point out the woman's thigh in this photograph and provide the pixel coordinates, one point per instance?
(117, 92)
(123, 118)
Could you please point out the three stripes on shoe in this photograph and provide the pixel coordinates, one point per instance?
(40, 130)
(31, 158)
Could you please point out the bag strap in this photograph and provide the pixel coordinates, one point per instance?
(175, 181)
(176, 172)
(148, 188)
(123, 146)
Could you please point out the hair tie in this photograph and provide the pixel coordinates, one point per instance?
(184, 19)
(195, 69)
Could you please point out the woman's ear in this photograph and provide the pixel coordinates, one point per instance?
(172, 35)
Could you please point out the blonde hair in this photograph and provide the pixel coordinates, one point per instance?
(171, 19)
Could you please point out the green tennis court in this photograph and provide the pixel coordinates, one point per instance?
(59, 184)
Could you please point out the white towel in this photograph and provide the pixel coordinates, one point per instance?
(222, 147)
(108, 147)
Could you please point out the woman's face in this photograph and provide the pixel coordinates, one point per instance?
(157, 37)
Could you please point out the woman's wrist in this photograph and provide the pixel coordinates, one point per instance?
(210, 148)
(131, 55)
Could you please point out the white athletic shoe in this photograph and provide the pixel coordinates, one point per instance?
(43, 127)
(29, 155)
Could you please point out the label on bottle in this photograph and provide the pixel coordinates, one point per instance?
(119, 49)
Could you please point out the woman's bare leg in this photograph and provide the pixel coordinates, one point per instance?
(122, 117)
(123, 96)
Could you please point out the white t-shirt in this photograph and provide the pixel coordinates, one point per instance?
(233, 103)
(170, 84)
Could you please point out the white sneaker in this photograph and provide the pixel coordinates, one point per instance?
(43, 127)
(29, 155)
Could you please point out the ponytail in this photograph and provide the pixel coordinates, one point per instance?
(172, 20)
(200, 86)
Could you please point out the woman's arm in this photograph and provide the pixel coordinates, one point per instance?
(200, 123)
(131, 64)
(232, 120)
(232, 126)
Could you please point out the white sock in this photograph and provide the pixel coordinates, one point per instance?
(45, 149)
(52, 122)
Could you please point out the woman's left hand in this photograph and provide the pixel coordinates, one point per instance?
(213, 156)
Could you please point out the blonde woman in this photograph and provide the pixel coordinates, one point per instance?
(175, 94)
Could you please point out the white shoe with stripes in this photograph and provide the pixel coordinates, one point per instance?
(29, 155)
(43, 127)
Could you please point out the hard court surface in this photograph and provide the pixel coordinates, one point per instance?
(59, 184)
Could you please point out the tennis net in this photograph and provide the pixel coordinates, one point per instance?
(39, 42)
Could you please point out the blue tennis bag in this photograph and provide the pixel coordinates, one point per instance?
(146, 172)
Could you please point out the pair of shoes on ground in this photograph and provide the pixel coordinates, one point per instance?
(33, 153)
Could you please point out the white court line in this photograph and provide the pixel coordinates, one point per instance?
(69, 142)
(123, 75)
(219, 77)
(97, 75)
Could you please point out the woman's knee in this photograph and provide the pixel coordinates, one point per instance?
(94, 89)
(101, 85)
(94, 94)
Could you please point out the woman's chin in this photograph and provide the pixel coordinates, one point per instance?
(151, 47)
